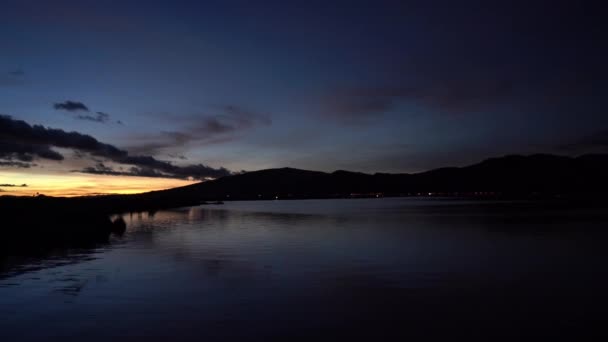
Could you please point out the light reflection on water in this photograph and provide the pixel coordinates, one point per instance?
(321, 268)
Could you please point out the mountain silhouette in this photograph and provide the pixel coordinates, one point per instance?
(513, 176)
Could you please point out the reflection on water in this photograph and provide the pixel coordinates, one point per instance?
(331, 268)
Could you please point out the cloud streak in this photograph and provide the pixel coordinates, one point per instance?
(447, 92)
(17, 164)
(100, 117)
(159, 169)
(21, 142)
(71, 106)
(508, 57)
(203, 129)
(76, 107)
(10, 150)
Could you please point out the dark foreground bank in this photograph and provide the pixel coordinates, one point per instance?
(57, 221)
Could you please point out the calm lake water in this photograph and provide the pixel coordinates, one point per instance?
(310, 269)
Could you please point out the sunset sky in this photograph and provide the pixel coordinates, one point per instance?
(130, 96)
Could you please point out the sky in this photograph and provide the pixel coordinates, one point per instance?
(130, 96)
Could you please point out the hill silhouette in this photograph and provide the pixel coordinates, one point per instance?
(510, 176)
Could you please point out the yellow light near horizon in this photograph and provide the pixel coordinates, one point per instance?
(77, 184)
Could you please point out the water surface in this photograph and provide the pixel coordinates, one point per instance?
(365, 268)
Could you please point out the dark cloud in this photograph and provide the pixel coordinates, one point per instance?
(360, 105)
(512, 56)
(159, 169)
(456, 95)
(24, 143)
(203, 129)
(230, 119)
(71, 106)
(18, 133)
(460, 87)
(101, 169)
(100, 117)
(153, 166)
(10, 150)
(17, 164)
(133, 171)
(155, 144)
(461, 94)
(75, 107)
(177, 156)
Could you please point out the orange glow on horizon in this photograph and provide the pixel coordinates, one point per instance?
(77, 184)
